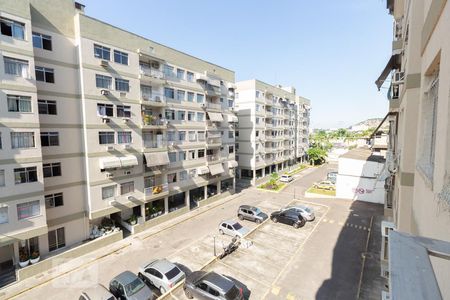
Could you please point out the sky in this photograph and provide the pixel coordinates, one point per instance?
(330, 51)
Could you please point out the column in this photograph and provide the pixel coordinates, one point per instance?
(206, 191)
(166, 205)
(143, 212)
(263, 170)
(254, 176)
(234, 184)
(186, 198)
(219, 187)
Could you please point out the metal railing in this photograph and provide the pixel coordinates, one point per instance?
(214, 140)
(212, 157)
(155, 144)
(147, 71)
(156, 189)
(153, 97)
(213, 105)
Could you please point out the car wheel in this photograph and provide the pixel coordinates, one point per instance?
(162, 290)
(221, 231)
(188, 294)
(274, 219)
(302, 223)
(241, 217)
(258, 221)
(296, 225)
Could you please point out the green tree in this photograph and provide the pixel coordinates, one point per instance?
(317, 155)
(273, 179)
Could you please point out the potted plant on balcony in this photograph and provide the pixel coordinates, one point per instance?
(133, 220)
(148, 119)
(35, 257)
(24, 258)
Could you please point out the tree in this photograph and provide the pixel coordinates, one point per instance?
(273, 179)
(317, 155)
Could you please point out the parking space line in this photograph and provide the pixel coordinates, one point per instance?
(275, 290)
(266, 262)
(244, 274)
(175, 297)
(290, 296)
(273, 248)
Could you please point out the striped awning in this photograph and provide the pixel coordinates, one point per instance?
(157, 159)
(216, 169)
(128, 161)
(203, 170)
(109, 162)
(215, 117)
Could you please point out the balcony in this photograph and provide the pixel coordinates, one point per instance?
(153, 99)
(213, 158)
(156, 191)
(269, 114)
(151, 74)
(154, 144)
(269, 125)
(213, 143)
(213, 106)
(149, 122)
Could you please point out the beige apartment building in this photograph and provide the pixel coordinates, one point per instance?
(97, 122)
(416, 233)
(273, 128)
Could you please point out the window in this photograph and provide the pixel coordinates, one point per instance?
(103, 82)
(2, 178)
(123, 111)
(201, 135)
(201, 153)
(200, 117)
(170, 114)
(0, 140)
(193, 173)
(108, 192)
(121, 57)
(52, 169)
(200, 98)
(170, 136)
(12, 28)
(54, 200)
(181, 115)
(47, 107)
(182, 155)
(102, 52)
(25, 175)
(191, 116)
(106, 137)
(231, 149)
(230, 103)
(49, 139)
(192, 136)
(19, 103)
(127, 187)
(169, 93)
(256, 133)
(180, 74)
(4, 215)
(22, 140)
(180, 95)
(257, 120)
(183, 175)
(105, 110)
(190, 76)
(190, 96)
(181, 135)
(230, 134)
(122, 85)
(124, 137)
(56, 239)
(257, 94)
(42, 41)
(45, 74)
(237, 146)
(16, 67)
(172, 157)
(168, 71)
(172, 177)
(28, 210)
(191, 154)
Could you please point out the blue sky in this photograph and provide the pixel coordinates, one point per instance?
(331, 51)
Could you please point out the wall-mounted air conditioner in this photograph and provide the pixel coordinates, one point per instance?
(125, 119)
(105, 119)
(123, 94)
(157, 99)
(104, 63)
(104, 92)
(109, 148)
(127, 172)
(127, 146)
(109, 175)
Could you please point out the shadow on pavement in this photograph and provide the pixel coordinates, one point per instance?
(183, 268)
(245, 290)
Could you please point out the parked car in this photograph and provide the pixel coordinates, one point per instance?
(127, 286)
(251, 213)
(331, 176)
(95, 292)
(162, 274)
(289, 217)
(286, 178)
(232, 228)
(305, 211)
(210, 285)
(325, 185)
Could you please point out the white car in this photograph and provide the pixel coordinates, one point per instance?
(305, 212)
(162, 274)
(232, 228)
(286, 178)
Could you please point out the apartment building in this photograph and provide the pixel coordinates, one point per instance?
(273, 128)
(97, 122)
(416, 233)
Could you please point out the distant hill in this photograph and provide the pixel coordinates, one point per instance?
(369, 123)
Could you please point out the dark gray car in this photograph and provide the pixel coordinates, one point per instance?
(251, 213)
(210, 285)
(127, 286)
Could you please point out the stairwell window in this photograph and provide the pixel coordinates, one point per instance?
(19, 103)
(28, 210)
(22, 140)
(47, 107)
(120, 57)
(45, 74)
(102, 52)
(49, 139)
(16, 67)
(42, 41)
(25, 175)
(54, 200)
(51, 169)
(12, 28)
(103, 82)
(122, 85)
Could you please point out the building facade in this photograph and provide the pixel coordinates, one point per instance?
(417, 185)
(273, 128)
(97, 122)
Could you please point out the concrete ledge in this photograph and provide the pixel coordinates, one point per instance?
(214, 198)
(55, 260)
(161, 219)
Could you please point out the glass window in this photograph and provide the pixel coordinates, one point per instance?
(230, 134)
(4, 215)
(191, 116)
(16, 67)
(170, 136)
(49, 139)
(192, 136)
(180, 95)
(190, 76)
(54, 200)
(19, 103)
(180, 74)
(51, 169)
(200, 98)
(230, 103)
(102, 52)
(42, 41)
(122, 85)
(56, 239)
(103, 82)
(106, 137)
(12, 28)
(108, 192)
(25, 175)
(124, 137)
(231, 149)
(183, 175)
(200, 117)
(172, 177)
(121, 57)
(172, 157)
(47, 107)
(191, 154)
(123, 111)
(127, 187)
(105, 110)
(182, 155)
(168, 71)
(169, 93)
(181, 135)
(2, 178)
(181, 115)
(170, 114)
(190, 96)
(22, 140)
(45, 74)
(201, 135)
(28, 210)
(201, 153)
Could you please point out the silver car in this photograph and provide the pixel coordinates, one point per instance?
(127, 286)
(232, 228)
(306, 212)
(247, 212)
(162, 274)
(97, 291)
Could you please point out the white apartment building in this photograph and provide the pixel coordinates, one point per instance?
(97, 122)
(273, 128)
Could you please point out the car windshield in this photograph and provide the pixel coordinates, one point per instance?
(172, 273)
(134, 287)
(237, 226)
(232, 293)
(257, 211)
(307, 209)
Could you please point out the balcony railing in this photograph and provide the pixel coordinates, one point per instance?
(155, 144)
(156, 98)
(216, 106)
(214, 140)
(156, 190)
(153, 122)
(212, 157)
(147, 71)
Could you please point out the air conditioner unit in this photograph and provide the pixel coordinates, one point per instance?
(127, 172)
(123, 94)
(145, 97)
(109, 148)
(104, 92)
(125, 119)
(127, 146)
(398, 77)
(105, 119)
(109, 175)
(386, 226)
(157, 99)
(104, 63)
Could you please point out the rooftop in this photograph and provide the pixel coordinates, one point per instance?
(363, 154)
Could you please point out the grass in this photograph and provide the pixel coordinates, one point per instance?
(278, 186)
(321, 192)
(297, 170)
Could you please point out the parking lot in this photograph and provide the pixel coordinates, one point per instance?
(257, 267)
